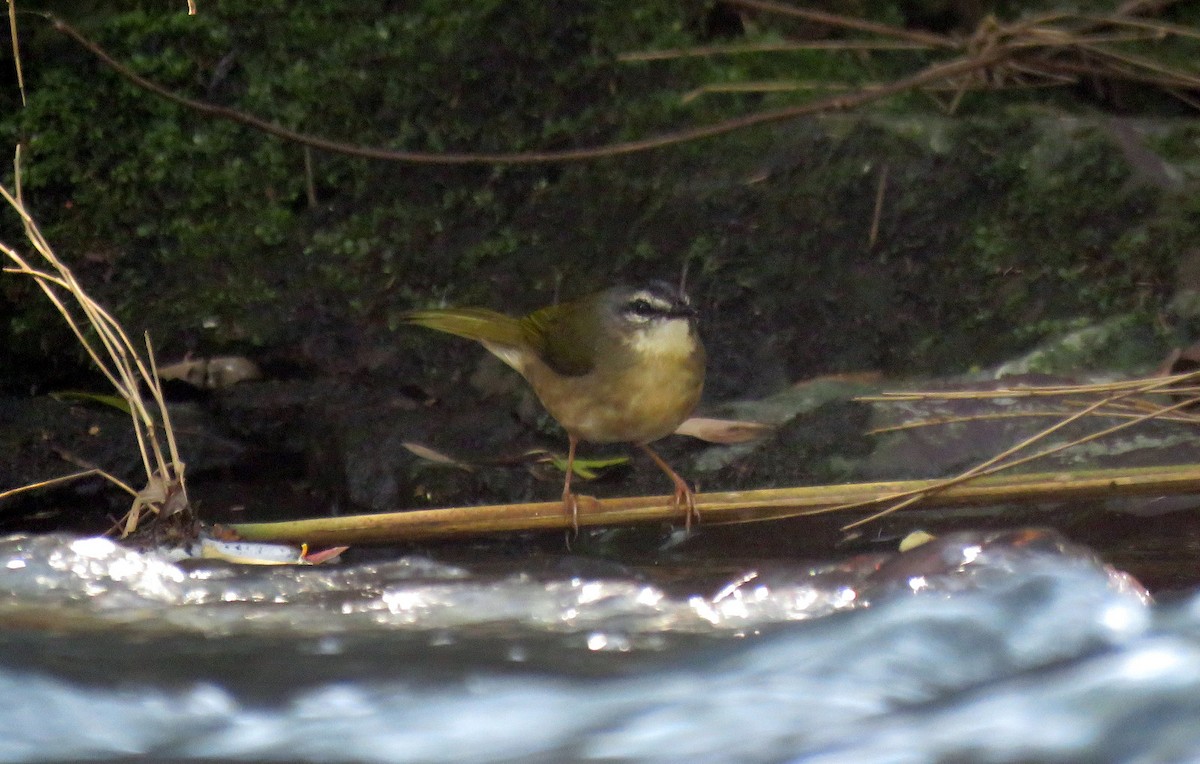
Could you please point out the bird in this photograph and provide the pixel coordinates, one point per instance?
(625, 364)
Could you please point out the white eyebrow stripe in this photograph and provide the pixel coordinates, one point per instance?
(651, 298)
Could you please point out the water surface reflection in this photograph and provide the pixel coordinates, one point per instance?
(1004, 646)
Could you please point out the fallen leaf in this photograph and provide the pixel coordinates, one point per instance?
(915, 539)
(325, 555)
(437, 457)
(250, 553)
(723, 430)
(214, 373)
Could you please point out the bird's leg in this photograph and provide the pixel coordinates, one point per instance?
(570, 503)
(685, 498)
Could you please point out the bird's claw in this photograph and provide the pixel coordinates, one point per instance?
(685, 499)
(571, 509)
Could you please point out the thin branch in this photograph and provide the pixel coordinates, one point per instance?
(877, 215)
(847, 22)
(16, 46)
(924, 77)
(1162, 27)
(1165, 73)
(767, 86)
(704, 51)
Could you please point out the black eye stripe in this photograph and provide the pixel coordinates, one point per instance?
(647, 308)
(656, 301)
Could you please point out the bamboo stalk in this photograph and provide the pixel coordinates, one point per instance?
(719, 508)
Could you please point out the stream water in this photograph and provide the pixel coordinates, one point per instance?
(998, 646)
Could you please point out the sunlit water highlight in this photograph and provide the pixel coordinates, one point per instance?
(1002, 647)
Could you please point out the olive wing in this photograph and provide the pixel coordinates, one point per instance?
(563, 338)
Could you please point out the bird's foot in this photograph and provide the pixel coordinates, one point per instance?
(685, 497)
(685, 500)
(571, 510)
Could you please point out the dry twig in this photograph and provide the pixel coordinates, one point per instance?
(979, 485)
(118, 360)
(725, 508)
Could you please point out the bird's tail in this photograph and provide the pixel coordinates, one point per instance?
(480, 324)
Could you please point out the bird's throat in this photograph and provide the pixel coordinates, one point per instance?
(665, 339)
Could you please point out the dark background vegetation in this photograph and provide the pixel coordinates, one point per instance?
(1022, 216)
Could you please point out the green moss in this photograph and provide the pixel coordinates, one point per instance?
(997, 228)
(161, 194)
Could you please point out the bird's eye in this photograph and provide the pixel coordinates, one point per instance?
(642, 308)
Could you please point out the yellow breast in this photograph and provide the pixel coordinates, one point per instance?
(640, 390)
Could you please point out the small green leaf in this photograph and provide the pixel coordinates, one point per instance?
(588, 469)
(104, 399)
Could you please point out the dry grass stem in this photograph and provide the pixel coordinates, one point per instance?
(1121, 406)
(1117, 393)
(118, 360)
(1009, 415)
(997, 463)
(982, 484)
(1170, 383)
(877, 214)
(734, 507)
(16, 47)
(60, 480)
